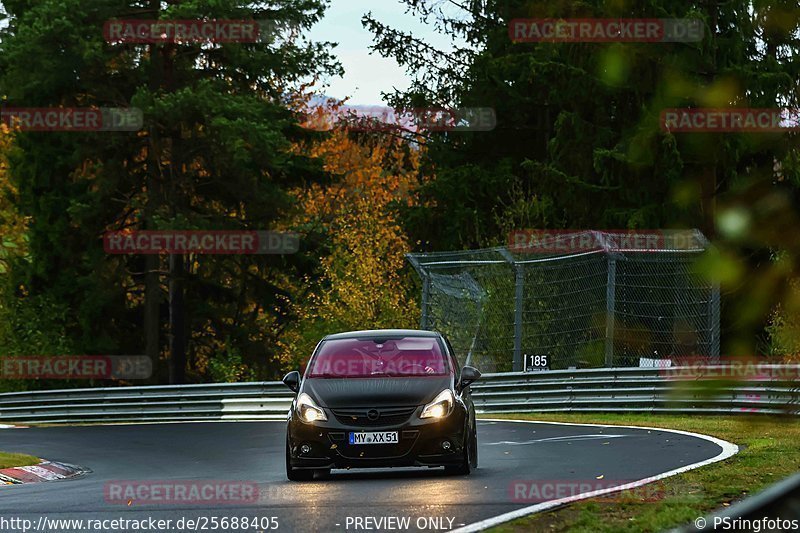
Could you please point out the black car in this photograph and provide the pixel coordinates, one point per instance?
(381, 398)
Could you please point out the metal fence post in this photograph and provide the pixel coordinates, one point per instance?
(610, 305)
(518, 302)
(426, 289)
(426, 293)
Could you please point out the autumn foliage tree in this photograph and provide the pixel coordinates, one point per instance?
(13, 226)
(37, 325)
(363, 282)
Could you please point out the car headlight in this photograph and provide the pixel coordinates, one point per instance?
(440, 407)
(308, 410)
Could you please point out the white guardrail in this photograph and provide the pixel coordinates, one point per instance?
(771, 389)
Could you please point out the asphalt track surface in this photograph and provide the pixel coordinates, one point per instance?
(509, 452)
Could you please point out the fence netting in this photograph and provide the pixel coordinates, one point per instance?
(602, 302)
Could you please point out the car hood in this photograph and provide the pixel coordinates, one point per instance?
(375, 392)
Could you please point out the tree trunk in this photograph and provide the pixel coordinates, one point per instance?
(152, 280)
(177, 322)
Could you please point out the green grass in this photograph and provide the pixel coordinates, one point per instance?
(7, 460)
(769, 450)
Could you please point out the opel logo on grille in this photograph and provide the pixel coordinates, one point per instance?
(373, 414)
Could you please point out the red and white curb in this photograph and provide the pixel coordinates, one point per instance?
(44, 471)
(6, 426)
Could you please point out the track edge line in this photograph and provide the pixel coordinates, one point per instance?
(728, 450)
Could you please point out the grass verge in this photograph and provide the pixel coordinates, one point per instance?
(769, 451)
(7, 460)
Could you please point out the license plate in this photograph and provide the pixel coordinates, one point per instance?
(374, 437)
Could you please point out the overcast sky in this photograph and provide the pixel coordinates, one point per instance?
(366, 75)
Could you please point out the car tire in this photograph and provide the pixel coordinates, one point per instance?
(296, 474)
(465, 466)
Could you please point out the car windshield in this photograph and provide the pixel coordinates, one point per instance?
(378, 357)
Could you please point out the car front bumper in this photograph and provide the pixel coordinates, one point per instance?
(419, 443)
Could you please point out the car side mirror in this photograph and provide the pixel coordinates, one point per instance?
(468, 375)
(292, 380)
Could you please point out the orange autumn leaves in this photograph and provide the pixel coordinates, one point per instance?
(12, 225)
(363, 282)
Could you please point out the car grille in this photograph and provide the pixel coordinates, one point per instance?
(388, 416)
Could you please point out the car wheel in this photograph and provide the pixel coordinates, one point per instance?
(296, 474)
(465, 466)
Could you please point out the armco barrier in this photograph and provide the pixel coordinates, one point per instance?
(226, 401)
(767, 389)
(773, 391)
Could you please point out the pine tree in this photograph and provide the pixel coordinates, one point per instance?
(214, 153)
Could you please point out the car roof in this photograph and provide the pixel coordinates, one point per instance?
(382, 333)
